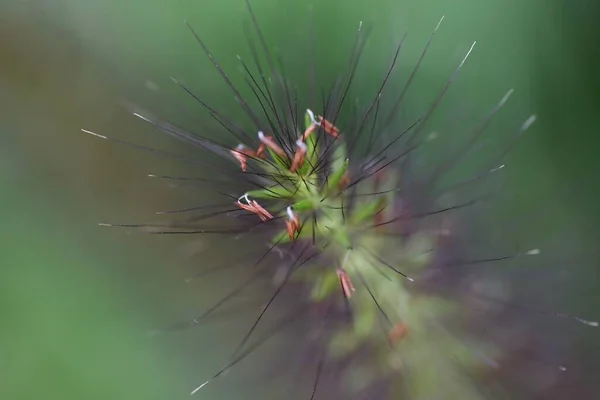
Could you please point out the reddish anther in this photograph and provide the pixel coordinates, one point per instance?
(260, 153)
(239, 155)
(270, 143)
(399, 331)
(292, 223)
(309, 131)
(328, 127)
(255, 208)
(299, 156)
(261, 211)
(261, 150)
(344, 182)
(347, 286)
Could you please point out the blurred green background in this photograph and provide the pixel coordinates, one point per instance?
(77, 300)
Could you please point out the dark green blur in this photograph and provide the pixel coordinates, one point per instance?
(77, 300)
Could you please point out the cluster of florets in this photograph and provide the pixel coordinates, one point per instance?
(296, 164)
(296, 184)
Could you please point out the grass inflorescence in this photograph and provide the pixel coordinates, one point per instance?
(390, 298)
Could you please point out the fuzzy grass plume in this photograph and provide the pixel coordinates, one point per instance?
(373, 258)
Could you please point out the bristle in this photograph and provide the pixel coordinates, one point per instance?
(394, 110)
(282, 324)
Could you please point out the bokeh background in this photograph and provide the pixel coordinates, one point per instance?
(77, 300)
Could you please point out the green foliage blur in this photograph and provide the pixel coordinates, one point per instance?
(77, 301)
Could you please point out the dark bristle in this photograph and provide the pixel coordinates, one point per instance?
(387, 264)
(233, 88)
(291, 269)
(283, 323)
(414, 134)
(375, 102)
(366, 285)
(151, 150)
(444, 167)
(317, 378)
(226, 123)
(394, 110)
(231, 295)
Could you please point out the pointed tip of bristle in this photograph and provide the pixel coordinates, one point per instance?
(471, 49)
(507, 96)
(198, 388)
(439, 23)
(140, 116)
(528, 122)
(94, 134)
(593, 324)
(103, 224)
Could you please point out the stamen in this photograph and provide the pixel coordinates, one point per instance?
(246, 207)
(261, 150)
(329, 128)
(292, 224)
(299, 156)
(309, 131)
(347, 286)
(268, 141)
(253, 207)
(262, 212)
(399, 331)
(240, 156)
(313, 125)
